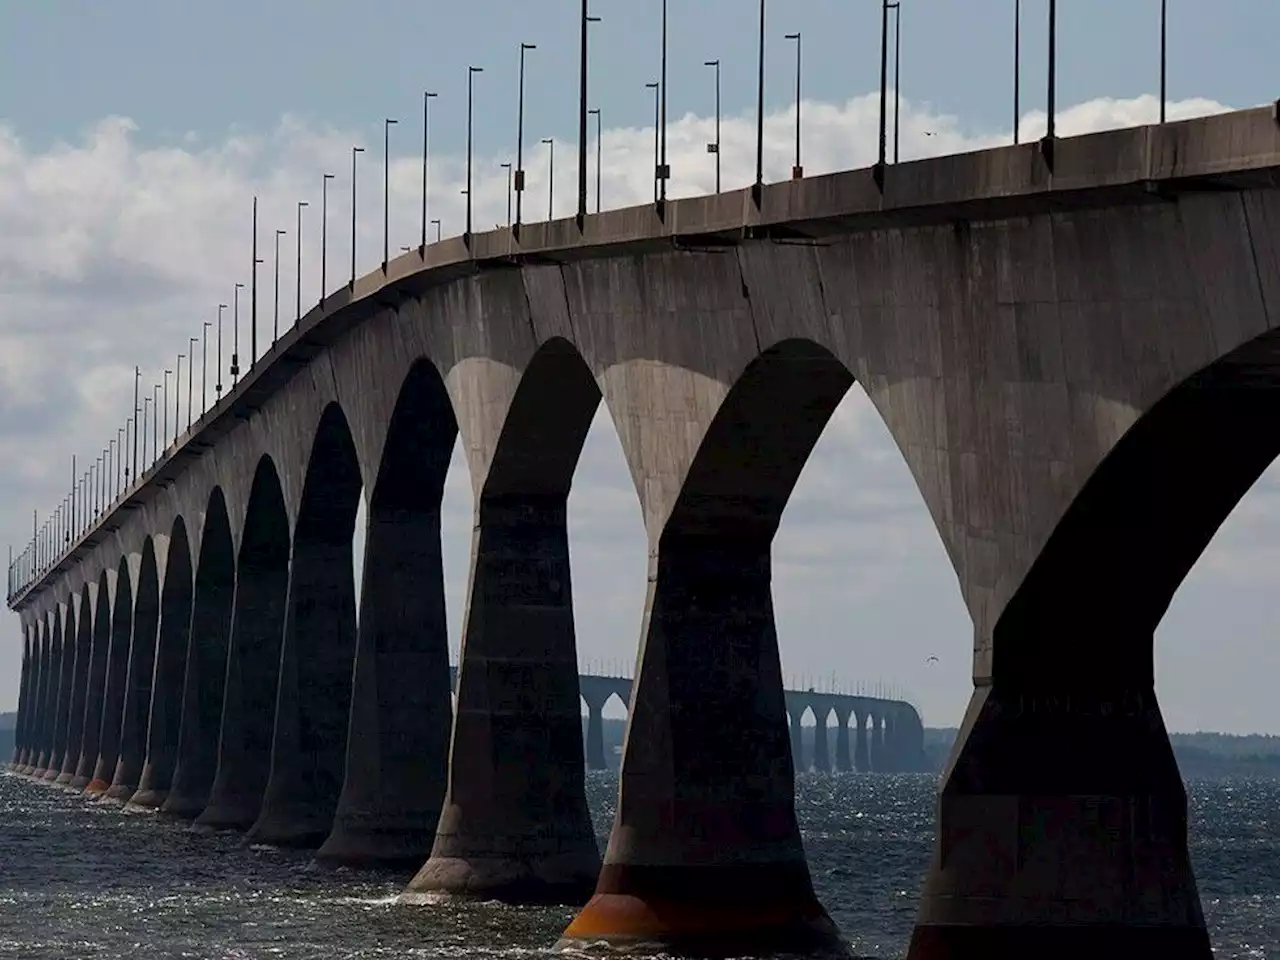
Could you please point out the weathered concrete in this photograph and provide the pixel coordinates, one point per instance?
(80, 623)
(1045, 345)
(95, 683)
(137, 697)
(515, 823)
(39, 746)
(173, 637)
(20, 743)
(253, 663)
(401, 715)
(205, 677)
(313, 706)
(60, 698)
(117, 683)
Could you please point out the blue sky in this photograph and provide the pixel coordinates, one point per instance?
(117, 239)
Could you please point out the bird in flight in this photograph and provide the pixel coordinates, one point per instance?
(931, 660)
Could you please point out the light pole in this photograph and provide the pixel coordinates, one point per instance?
(1164, 57)
(1017, 66)
(664, 172)
(204, 366)
(654, 87)
(177, 398)
(436, 224)
(551, 178)
(582, 117)
(155, 421)
(253, 301)
(426, 150)
(797, 171)
(137, 377)
(519, 175)
(146, 410)
(386, 192)
(275, 318)
(324, 232)
(897, 74)
(1047, 143)
(715, 147)
(507, 167)
(599, 141)
(122, 435)
(884, 93)
(297, 277)
(235, 336)
(191, 374)
(758, 191)
(217, 387)
(165, 432)
(354, 151)
(471, 74)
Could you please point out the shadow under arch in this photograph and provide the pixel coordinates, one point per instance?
(204, 680)
(1070, 726)
(314, 693)
(693, 797)
(95, 687)
(515, 824)
(117, 681)
(253, 658)
(80, 630)
(141, 674)
(398, 740)
(172, 633)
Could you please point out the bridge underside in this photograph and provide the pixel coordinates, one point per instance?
(1047, 347)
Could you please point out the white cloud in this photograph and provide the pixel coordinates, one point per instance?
(112, 253)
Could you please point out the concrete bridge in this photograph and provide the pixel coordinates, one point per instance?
(1075, 351)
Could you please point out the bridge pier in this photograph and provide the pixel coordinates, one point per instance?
(39, 759)
(821, 755)
(137, 700)
(595, 735)
(80, 629)
(104, 767)
(861, 755)
(1062, 832)
(705, 850)
(844, 763)
(515, 824)
(797, 740)
(61, 698)
(95, 684)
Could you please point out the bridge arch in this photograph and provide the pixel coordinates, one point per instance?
(172, 633)
(79, 626)
(253, 657)
(136, 707)
(60, 680)
(204, 680)
(312, 709)
(95, 682)
(398, 739)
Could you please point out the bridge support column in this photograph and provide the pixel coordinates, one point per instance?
(398, 742)
(821, 755)
(61, 701)
(861, 755)
(80, 633)
(844, 763)
(705, 852)
(1062, 832)
(40, 721)
(95, 688)
(876, 743)
(515, 825)
(797, 741)
(595, 736)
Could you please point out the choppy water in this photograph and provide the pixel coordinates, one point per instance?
(84, 880)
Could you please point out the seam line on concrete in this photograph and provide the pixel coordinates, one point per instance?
(746, 295)
(1253, 253)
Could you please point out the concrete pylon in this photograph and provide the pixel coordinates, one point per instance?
(861, 755)
(844, 762)
(95, 687)
(40, 722)
(797, 740)
(595, 736)
(515, 825)
(821, 755)
(104, 769)
(137, 698)
(80, 626)
(61, 699)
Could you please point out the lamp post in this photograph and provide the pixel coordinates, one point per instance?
(471, 75)
(146, 411)
(436, 224)
(519, 174)
(191, 374)
(354, 151)
(217, 387)
(884, 93)
(275, 318)
(1050, 109)
(582, 117)
(427, 97)
(165, 432)
(599, 142)
(324, 232)
(797, 171)
(204, 365)
(551, 178)
(507, 167)
(1164, 57)
(656, 160)
(759, 185)
(386, 191)
(235, 336)
(715, 147)
(664, 172)
(253, 301)
(155, 420)
(297, 276)
(1017, 67)
(897, 74)
(137, 376)
(122, 435)
(177, 398)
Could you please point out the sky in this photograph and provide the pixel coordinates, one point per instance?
(133, 136)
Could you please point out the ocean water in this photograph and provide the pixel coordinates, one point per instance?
(80, 879)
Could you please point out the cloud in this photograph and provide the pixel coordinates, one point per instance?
(113, 253)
